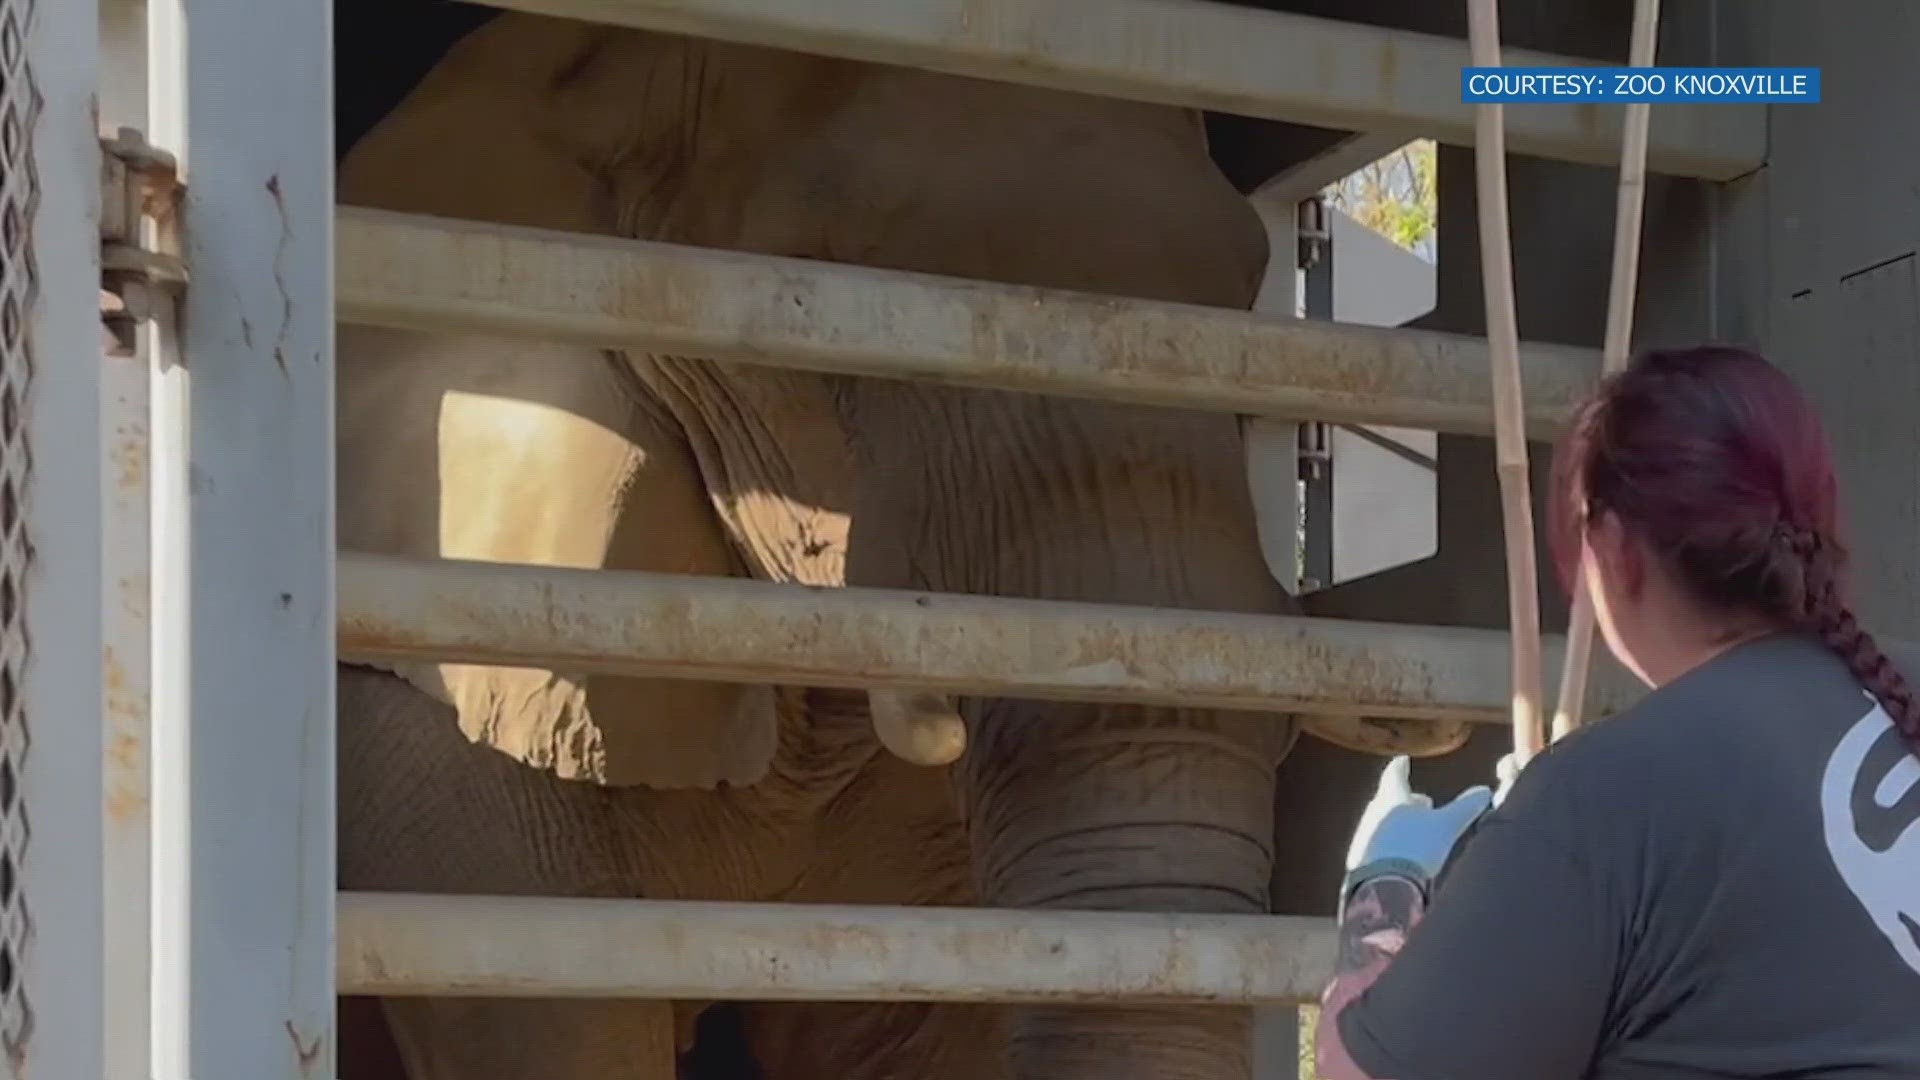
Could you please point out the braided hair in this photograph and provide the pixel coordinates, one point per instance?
(1827, 613)
(1716, 460)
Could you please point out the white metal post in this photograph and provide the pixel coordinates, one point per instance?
(243, 677)
(51, 722)
(128, 652)
(127, 586)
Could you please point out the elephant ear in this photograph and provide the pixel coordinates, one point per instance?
(1390, 738)
(617, 732)
(543, 454)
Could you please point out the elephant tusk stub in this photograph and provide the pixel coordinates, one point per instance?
(919, 728)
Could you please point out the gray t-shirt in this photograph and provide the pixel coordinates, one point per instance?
(1723, 881)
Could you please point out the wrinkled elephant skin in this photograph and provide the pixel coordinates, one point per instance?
(457, 779)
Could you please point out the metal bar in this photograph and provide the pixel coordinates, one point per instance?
(427, 273)
(1319, 283)
(1310, 176)
(738, 630)
(402, 945)
(133, 338)
(1318, 481)
(1228, 58)
(53, 1023)
(127, 681)
(1317, 511)
(243, 676)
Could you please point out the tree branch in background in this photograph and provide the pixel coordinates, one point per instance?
(1396, 197)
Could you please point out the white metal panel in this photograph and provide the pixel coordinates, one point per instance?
(1386, 507)
(740, 630)
(401, 945)
(1376, 282)
(428, 273)
(243, 676)
(1322, 72)
(51, 638)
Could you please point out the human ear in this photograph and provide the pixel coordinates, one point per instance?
(1617, 557)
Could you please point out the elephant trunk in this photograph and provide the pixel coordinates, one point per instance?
(1123, 809)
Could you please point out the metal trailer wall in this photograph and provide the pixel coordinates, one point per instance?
(1816, 262)
(55, 554)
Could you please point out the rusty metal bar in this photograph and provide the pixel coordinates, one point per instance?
(737, 630)
(428, 273)
(401, 945)
(1275, 65)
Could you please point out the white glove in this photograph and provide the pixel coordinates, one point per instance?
(1402, 833)
(1505, 772)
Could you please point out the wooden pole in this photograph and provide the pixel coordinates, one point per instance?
(1620, 297)
(1510, 441)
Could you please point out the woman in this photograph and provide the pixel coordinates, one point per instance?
(1722, 881)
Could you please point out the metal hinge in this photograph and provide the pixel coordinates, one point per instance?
(1312, 230)
(1316, 507)
(140, 258)
(1316, 449)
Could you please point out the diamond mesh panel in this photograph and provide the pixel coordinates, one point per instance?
(19, 196)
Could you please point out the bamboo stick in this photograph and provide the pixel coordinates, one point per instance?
(1510, 442)
(1613, 358)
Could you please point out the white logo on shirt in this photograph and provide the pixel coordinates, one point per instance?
(1870, 803)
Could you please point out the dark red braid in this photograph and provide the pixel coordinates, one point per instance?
(1825, 611)
(1714, 458)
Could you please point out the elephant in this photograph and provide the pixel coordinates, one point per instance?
(511, 781)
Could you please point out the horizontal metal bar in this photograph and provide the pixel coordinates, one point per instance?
(1224, 57)
(1311, 175)
(429, 273)
(738, 630)
(403, 945)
